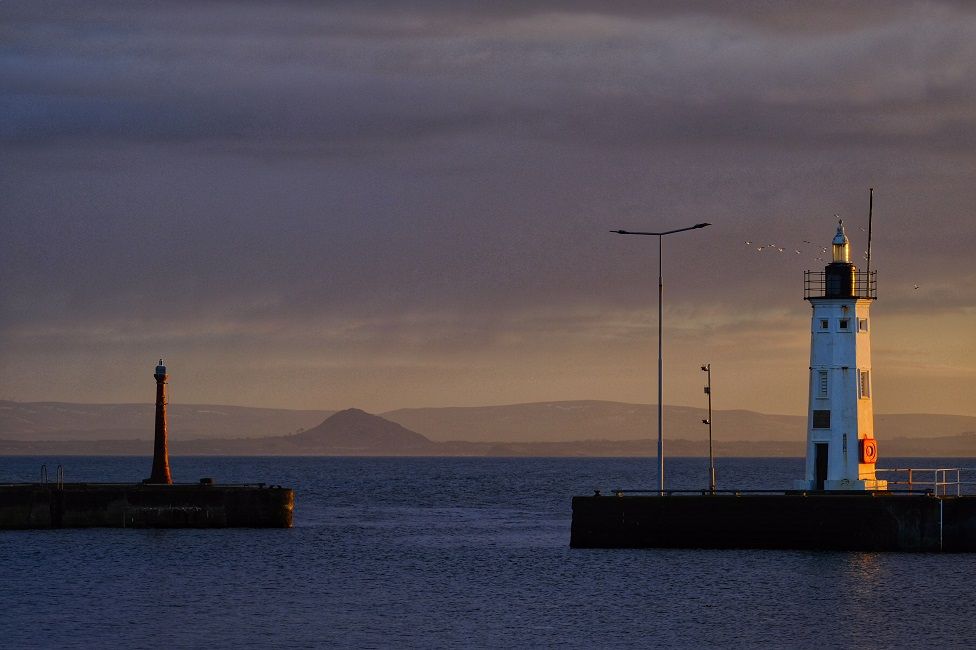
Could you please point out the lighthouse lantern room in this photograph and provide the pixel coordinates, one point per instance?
(841, 449)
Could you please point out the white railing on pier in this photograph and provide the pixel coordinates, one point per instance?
(941, 481)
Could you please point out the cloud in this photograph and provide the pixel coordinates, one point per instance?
(374, 182)
(673, 74)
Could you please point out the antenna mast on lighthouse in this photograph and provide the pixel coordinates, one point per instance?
(870, 215)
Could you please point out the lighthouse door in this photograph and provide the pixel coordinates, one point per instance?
(820, 464)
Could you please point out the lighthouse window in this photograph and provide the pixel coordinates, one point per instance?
(843, 323)
(821, 419)
(862, 324)
(822, 384)
(864, 385)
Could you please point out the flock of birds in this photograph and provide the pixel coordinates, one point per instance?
(822, 253)
(818, 253)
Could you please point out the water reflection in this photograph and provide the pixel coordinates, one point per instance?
(865, 573)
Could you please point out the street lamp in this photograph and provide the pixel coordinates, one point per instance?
(707, 368)
(660, 330)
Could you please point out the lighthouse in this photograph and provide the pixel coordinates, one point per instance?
(841, 449)
(160, 466)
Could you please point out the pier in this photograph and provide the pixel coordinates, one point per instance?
(840, 503)
(853, 521)
(156, 502)
(143, 505)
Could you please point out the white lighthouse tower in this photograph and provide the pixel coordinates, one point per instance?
(841, 449)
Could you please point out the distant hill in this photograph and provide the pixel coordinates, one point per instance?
(355, 431)
(961, 446)
(601, 420)
(580, 428)
(65, 421)
(920, 425)
(591, 420)
(347, 433)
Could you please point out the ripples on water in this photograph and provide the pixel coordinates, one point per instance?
(455, 552)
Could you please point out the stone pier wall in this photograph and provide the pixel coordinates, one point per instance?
(85, 505)
(855, 522)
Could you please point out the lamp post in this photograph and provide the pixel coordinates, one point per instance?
(660, 330)
(707, 368)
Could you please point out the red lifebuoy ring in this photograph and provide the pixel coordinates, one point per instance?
(869, 450)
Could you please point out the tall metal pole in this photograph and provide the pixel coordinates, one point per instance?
(711, 456)
(660, 341)
(660, 365)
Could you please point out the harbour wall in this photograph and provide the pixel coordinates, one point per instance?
(850, 522)
(86, 505)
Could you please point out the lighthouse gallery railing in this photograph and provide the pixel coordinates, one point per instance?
(865, 284)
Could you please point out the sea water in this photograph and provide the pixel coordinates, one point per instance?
(455, 552)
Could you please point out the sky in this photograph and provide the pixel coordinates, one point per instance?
(392, 204)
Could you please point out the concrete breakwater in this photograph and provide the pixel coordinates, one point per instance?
(830, 521)
(86, 505)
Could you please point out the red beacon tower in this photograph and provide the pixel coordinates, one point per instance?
(160, 466)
